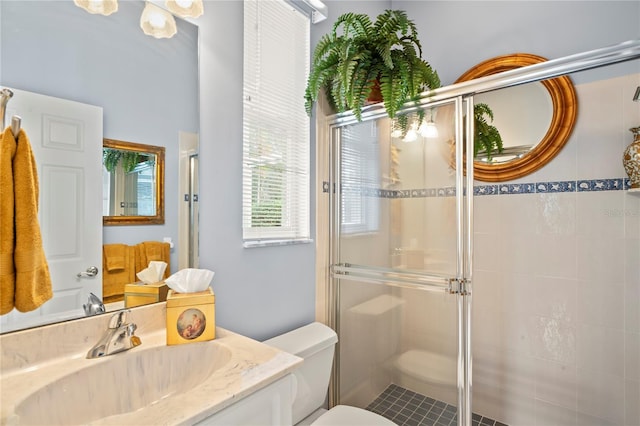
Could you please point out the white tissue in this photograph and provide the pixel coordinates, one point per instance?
(190, 280)
(153, 273)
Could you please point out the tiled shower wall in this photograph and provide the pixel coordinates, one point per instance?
(556, 324)
(556, 309)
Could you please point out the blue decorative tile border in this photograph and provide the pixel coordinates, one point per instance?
(554, 186)
(617, 184)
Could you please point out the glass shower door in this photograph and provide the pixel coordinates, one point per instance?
(399, 269)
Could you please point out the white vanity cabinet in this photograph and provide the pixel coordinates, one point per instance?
(271, 405)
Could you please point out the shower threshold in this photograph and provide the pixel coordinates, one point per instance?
(408, 408)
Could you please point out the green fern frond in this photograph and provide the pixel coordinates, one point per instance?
(361, 83)
(403, 123)
(430, 77)
(353, 25)
(420, 113)
(323, 48)
(481, 109)
(336, 94)
(110, 158)
(357, 51)
(319, 78)
(487, 138)
(384, 50)
(389, 90)
(390, 22)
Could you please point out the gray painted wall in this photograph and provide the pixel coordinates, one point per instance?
(148, 88)
(260, 292)
(264, 291)
(456, 35)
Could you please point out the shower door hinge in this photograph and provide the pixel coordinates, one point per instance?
(459, 286)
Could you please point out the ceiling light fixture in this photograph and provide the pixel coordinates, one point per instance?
(185, 8)
(412, 135)
(428, 129)
(157, 22)
(98, 7)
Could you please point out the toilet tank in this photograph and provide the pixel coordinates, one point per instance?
(314, 343)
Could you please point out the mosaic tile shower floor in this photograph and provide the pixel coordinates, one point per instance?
(407, 408)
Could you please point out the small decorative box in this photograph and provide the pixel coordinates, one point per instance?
(142, 294)
(190, 317)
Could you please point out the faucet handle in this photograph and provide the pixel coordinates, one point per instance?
(129, 331)
(135, 341)
(118, 319)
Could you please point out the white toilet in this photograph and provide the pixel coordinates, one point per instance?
(315, 343)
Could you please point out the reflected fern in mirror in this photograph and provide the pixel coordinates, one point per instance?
(130, 183)
(487, 138)
(535, 119)
(133, 183)
(128, 160)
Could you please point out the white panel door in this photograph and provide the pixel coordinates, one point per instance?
(66, 138)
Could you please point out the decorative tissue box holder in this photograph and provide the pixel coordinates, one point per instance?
(142, 294)
(190, 317)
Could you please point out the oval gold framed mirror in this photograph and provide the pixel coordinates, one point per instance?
(561, 120)
(133, 183)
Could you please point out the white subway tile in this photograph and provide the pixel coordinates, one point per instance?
(556, 383)
(600, 398)
(600, 350)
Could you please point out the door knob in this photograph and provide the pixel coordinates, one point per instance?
(91, 271)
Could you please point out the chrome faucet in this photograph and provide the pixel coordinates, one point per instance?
(94, 306)
(118, 337)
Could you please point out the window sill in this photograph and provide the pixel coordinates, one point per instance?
(269, 243)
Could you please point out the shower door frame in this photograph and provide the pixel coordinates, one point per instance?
(330, 272)
(458, 286)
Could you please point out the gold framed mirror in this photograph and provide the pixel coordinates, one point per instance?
(133, 183)
(561, 117)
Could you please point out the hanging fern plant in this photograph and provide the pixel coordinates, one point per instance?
(357, 54)
(112, 157)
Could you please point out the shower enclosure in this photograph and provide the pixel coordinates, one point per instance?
(400, 250)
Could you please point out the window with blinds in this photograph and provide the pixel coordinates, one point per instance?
(276, 161)
(360, 179)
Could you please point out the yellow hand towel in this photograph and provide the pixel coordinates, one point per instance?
(7, 229)
(32, 278)
(114, 256)
(113, 282)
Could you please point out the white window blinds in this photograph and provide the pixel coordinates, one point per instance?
(275, 126)
(360, 179)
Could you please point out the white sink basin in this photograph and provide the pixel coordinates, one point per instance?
(122, 383)
(45, 378)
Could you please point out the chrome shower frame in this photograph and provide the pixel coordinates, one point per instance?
(462, 95)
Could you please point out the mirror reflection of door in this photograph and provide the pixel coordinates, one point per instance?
(66, 138)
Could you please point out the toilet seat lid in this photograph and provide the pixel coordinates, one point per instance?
(344, 415)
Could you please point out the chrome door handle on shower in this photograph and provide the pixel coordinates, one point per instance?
(91, 271)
